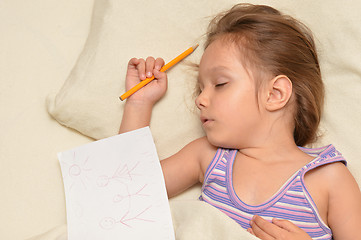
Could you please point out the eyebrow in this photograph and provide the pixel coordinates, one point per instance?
(219, 69)
(214, 70)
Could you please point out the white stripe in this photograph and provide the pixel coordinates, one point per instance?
(327, 236)
(218, 188)
(295, 193)
(228, 207)
(218, 172)
(293, 207)
(306, 224)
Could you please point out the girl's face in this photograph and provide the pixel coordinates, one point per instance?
(228, 102)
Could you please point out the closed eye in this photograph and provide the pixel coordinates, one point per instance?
(221, 84)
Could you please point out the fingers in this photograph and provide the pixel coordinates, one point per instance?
(146, 68)
(153, 65)
(136, 68)
(149, 66)
(159, 63)
(287, 225)
(278, 229)
(162, 78)
(262, 228)
(250, 231)
(133, 63)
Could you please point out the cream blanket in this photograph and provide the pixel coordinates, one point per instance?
(78, 51)
(192, 220)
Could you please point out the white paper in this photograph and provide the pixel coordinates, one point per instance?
(114, 189)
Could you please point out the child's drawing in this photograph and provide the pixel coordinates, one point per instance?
(114, 189)
(122, 173)
(119, 197)
(77, 171)
(126, 220)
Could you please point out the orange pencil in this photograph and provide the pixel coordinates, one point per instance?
(163, 69)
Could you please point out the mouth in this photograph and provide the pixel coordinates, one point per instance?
(205, 120)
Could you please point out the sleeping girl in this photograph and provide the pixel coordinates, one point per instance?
(260, 99)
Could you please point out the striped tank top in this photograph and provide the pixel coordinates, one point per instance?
(291, 202)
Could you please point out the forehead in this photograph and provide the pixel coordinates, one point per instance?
(221, 57)
(220, 53)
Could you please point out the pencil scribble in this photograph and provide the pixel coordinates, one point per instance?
(120, 197)
(121, 174)
(77, 171)
(108, 223)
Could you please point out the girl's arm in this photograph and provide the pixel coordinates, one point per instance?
(183, 169)
(344, 211)
(138, 107)
(188, 166)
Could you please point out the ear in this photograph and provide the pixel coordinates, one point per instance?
(279, 93)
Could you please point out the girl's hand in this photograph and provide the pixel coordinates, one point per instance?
(140, 69)
(278, 229)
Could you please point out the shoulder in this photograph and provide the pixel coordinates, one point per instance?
(200, 147)
(329, 165)
(197, 152)
(333, 176)
(186, 168)
(339, 180)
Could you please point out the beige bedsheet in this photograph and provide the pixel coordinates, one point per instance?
(40, 43)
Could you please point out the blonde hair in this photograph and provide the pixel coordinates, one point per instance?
(280, 45)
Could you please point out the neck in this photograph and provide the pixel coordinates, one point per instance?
(278, 145)
(272, 151)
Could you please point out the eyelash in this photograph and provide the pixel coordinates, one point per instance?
(199, 90)
(221, 84)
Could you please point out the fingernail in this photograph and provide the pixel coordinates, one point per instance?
(149, 74)
(252, 220)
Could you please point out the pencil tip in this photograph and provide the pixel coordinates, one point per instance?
(195, 46)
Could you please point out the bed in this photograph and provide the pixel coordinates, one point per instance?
(62, 68)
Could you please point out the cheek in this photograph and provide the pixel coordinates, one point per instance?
(242, 111)
(244, 101)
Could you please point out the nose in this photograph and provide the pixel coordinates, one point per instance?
(202, 100)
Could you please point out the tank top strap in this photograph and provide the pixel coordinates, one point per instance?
(324, 155)
(216, 159)
(221, 157)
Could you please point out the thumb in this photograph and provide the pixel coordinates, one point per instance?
(285, 224)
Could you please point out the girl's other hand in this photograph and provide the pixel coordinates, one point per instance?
(140, 69)
(278, 229)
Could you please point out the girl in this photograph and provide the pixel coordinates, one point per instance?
(260, 100)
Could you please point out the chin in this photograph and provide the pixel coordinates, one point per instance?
(219, 142)
(228, 141)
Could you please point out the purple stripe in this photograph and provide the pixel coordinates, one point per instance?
(213, 163)
(300, 208)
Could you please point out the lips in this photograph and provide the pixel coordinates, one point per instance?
(205, 120)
